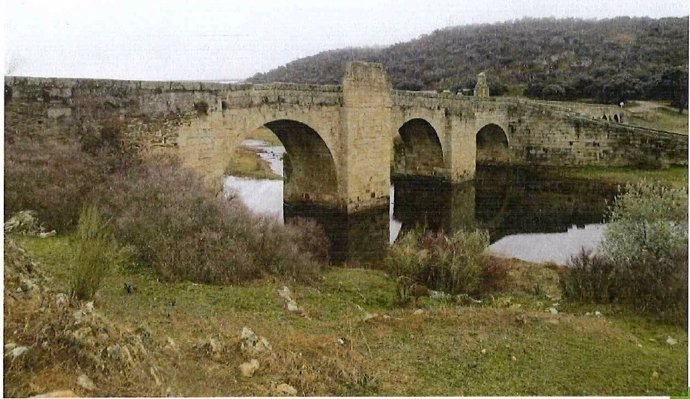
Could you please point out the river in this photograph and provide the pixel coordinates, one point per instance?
(529, 216)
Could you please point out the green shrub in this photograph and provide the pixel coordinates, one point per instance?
(452, 264)
(96, 253)
(643, 260)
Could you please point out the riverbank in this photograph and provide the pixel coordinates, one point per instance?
(246, 162)
(350, 338)
(673, 176)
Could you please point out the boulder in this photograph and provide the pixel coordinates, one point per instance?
(85, 382)
(249, 368)
(252, 344)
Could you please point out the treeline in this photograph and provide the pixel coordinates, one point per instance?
(607, 60)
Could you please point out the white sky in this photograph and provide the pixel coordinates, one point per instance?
(207, 40)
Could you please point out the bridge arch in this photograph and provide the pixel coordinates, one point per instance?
(418, 151)
(492, 144)
(309, 168)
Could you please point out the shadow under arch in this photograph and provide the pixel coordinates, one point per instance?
(310, 173)
(418, 150)
(492, 145)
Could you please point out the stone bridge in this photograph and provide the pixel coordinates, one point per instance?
(341, 138)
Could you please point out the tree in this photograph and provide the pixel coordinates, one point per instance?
(674, 84)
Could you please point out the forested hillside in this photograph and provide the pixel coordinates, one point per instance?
(559, 59)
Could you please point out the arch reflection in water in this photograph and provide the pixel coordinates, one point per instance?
(510, 202)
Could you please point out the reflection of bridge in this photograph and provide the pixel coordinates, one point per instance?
(339, 138)
(504, 200)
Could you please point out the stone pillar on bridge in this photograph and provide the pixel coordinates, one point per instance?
(366, 125)
(481, 89)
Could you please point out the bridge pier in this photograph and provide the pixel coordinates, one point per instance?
(366, 124)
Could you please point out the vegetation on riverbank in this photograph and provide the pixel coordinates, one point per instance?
(198, 267)
(673, 176)
(246, 162)
(352, 338)
(643, 259)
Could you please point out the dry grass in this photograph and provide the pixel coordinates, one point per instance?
(396, 352)
(245, 162)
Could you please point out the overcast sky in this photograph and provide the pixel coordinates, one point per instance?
(209, 40)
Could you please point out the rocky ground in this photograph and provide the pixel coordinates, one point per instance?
(345, 336)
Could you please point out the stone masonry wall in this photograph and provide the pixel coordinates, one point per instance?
(354, 125)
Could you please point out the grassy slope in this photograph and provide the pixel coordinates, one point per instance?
(657, 115)
(439, 352)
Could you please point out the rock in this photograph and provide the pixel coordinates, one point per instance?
(671, 341)
(212, 347)
(170, 344)
(27, 285)
(552, 310)
(144, 332)
(114, 351)
(62, 300)
(17, 351)
(86, 383)
(215, 345)
(57, 394)
(253, 344)
(78, 315)
(370, 316)
(292, 307)
(23, 222)
(249, 368)
(286, 390)
(48, 234)
(285, 294)
(290, 303)
(418, 311)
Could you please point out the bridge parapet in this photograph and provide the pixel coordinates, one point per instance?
(279, 94)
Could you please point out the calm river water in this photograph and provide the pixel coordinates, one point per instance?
(528, 215)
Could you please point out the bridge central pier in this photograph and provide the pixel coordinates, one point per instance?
(357, 221)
